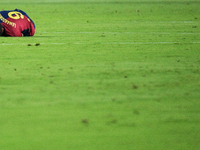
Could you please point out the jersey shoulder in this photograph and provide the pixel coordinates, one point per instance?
(25, 14)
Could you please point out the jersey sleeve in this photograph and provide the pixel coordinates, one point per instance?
(29, 31)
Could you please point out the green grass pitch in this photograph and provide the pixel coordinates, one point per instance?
(102, 75)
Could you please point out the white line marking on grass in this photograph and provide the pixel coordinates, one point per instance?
(139, 43)
(158, 22)
(6, 44)
(55, 43)
(111, 43)
(147, 33)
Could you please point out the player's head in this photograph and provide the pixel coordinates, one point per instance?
(1, 29)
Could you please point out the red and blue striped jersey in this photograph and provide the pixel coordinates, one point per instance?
(16, 23)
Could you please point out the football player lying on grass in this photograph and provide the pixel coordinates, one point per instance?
(16, 23)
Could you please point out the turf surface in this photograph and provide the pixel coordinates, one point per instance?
(102, 74)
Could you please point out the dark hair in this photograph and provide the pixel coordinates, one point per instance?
(1, 29)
